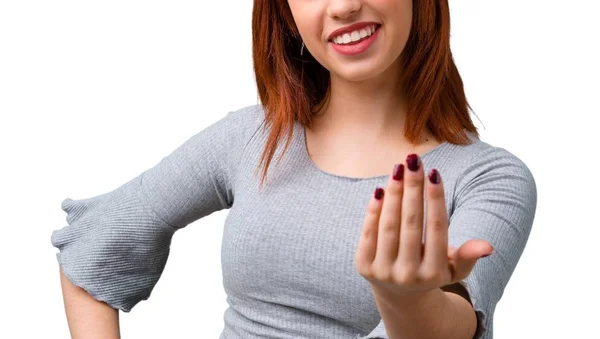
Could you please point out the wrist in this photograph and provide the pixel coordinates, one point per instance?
(409, 301)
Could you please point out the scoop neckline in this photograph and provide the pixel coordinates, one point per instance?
(307, 158)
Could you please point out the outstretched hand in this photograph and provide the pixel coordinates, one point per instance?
(391, 254)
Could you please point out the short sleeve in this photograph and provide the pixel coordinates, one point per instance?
(115, 245)
(495, 201)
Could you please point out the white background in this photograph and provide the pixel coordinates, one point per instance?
(93, 93)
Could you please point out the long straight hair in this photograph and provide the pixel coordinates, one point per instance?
(291, 87)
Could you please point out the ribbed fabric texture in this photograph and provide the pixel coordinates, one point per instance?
(288, 250)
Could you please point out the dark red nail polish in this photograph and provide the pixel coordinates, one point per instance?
(434, 176)
(412, 161)
(398, 172)
(378, 193)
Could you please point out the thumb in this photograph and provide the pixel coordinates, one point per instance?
(465, 257)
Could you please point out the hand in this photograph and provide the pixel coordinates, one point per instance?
(391, 254)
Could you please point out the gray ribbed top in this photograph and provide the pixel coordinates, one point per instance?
(288, 250)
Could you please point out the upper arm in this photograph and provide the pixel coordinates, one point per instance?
(496, 202)
(116, 244)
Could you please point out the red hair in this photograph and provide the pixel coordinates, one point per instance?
(291, 87)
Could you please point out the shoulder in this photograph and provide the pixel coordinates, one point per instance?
(248, 117)
(480, 153)
(495, 169)
(480, 157)
(232, 130)
(488, 158)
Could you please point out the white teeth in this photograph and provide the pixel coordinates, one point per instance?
(354, 35)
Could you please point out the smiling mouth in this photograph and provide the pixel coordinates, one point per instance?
(355, 37)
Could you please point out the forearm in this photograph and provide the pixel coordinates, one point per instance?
(87, 317)
(435, 314)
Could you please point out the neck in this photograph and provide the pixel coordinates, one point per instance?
(374, 108)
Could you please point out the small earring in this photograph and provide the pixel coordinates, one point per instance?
(302, 48)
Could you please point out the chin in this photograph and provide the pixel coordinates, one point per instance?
(356, 73)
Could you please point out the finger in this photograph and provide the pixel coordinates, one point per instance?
(389, 222)
(367, 244)
(466, 256)
(451, 251)
(411, 229)
(436, 226)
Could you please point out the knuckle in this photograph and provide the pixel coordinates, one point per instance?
(364, 270)
(361, 263)
(388, 227)
(431, 275)
(395, 187)
(414, 182)
(382, 274)
(405, 275)
(412, 220)
(435, 192)
(437, 225)
(367, 233)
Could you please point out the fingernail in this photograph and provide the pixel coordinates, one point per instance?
(434, 176)
(378, 193)
(412, 161)
(398, 172)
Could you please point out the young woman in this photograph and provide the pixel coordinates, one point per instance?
(384, 215)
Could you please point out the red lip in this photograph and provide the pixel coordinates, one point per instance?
(351, 28)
